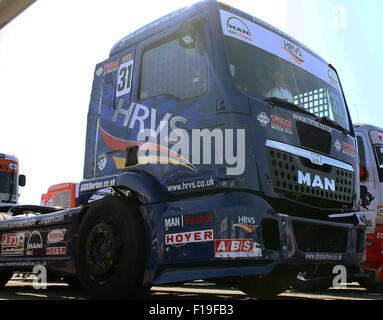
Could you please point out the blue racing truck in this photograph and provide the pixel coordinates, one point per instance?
(217, 147)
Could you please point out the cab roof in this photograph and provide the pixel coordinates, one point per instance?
(367, 127)
(197, 7)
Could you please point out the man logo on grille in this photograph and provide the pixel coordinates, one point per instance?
(326, 184)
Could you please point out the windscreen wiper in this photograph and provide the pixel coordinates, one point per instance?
(333, 124)
(274, 101)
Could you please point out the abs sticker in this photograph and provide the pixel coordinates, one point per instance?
(12, 244)
(124, 78)
(237, 248)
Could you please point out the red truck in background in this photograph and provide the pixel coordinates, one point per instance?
(62, 195)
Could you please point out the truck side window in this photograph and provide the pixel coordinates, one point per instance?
(170, 69)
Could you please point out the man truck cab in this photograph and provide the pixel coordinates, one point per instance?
(370, 147)
(211, 152)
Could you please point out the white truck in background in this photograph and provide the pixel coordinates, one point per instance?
(10, 180)
(370, 148)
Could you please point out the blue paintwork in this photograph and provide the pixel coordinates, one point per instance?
(230, 199)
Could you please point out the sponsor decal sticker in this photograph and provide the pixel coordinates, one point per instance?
(294, 51)
(247, 220)
(55, 251)
(53, 219)
(237, 248)
(102, 160)
(174, 222)
(56, 236)
(110, 67)
(345, 147)
(99, 71)
(34, 244)
(182, 220)
(238, 28)
(324, 256)
(281, 124)
(311, 122)
(99, 194)
(124, 80)
(127, 57)
(338, 145)
(197, 184)
(197, 219)
(263, 119)
(380, 211)
(12, 244)
(97, 185)
(268, 38)
(348, 149)
(244, 226)
(189, 237)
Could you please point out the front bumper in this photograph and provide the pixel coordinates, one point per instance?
(246, 237)
(310, 241)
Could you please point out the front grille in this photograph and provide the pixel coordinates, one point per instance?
(317, 190)
(312, 237)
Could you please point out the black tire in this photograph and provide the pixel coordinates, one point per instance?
(315, 278)
(303, 284)
(111, 248)
(267, 286)
(5, 277)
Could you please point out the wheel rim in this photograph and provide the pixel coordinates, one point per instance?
(102, 248)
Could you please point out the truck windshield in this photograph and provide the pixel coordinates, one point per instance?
(266, 65)
(7, 183)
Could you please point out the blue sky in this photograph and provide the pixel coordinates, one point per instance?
(353, 46)
(48, 54)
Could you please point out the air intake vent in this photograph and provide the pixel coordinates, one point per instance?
(319, 238)
(314, 138)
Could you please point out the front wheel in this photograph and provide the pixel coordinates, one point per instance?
(267, 286)
(303, 284)
(314, 279)
(110, 255)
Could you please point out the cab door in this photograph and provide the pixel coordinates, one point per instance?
(113, 112)
(175, 87)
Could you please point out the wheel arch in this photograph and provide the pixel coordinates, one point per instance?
(138, 186)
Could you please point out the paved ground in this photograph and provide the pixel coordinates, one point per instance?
(19, 288)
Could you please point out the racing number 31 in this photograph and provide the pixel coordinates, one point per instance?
(124, 78)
